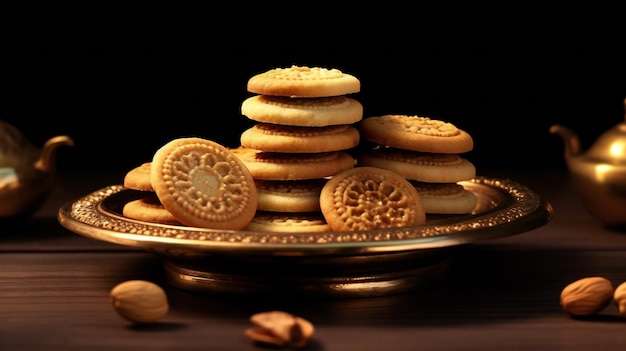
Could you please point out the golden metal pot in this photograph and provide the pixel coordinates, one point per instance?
(599, 174)
(27, 173)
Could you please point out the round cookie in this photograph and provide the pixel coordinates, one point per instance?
(282, 138)
(416, 133)
(288, 222)
(303, 81)
(289, 195)
(420, 166)
(364, 198)
(203, 184)
(138, 178)
(445, 198)
(293, 166)
(149, 209)
(303, 112)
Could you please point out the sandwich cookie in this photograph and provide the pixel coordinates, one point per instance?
(420, 166)
(293, 166)
(288, 222)
(281, 138)
(416, 133)
(304, 112)
(445, 198)
(138, 178)
(149, 209)
(289, 195)
(303, 81)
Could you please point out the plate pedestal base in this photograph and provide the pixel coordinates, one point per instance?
(288, 280)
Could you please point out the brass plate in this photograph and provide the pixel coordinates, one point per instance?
(350, 263)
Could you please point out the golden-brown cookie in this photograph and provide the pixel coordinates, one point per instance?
(445, 198)
(280, 138)
(288, 222)
(303, 112)
(203, 184)
(138, 178)
(293, 166)
(364, 198)
(416, 133)
(420, 166)
(149, 209)
(289, 195)
(303, 81)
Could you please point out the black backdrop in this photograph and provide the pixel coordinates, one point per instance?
(124, 78)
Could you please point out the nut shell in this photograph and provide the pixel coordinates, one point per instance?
(139, 301)
(586, 296)
(279, 328)
(619, 297)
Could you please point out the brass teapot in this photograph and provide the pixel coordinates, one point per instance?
(27, 173)
(599, 174)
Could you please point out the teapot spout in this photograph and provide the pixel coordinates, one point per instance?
(47, 160)
(570, 138)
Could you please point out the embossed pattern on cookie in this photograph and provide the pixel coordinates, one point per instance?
(416, 133)
(365, 198)
(303, 81)
(203, 184)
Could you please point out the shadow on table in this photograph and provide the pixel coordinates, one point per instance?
(47, 234)
(484, 285)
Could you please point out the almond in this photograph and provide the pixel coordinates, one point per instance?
(139, 301)
(586, 296)
(619, 296)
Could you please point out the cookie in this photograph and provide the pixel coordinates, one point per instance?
(445, 198)
(420, 166)
(289, 195)
(303, 81)
(364, 198)
(149, 209)
(288, 222)
(138, 178)
(281, 138)
(203, 184)
(416, 133)
(303, 112)
(293, 166)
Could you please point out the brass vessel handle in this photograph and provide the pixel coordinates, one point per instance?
(47, 160)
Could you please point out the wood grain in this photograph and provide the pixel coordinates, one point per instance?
(500, 294)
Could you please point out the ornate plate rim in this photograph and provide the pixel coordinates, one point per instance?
(518, 209)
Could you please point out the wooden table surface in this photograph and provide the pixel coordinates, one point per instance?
(501, 294)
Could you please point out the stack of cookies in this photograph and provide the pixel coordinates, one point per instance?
(310, 163)
(305, 127)
(427, 153)
(146, 207)
(194, 182)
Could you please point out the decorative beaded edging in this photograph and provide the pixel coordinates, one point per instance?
(87, 210)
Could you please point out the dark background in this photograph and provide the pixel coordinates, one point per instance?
(123, 78)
